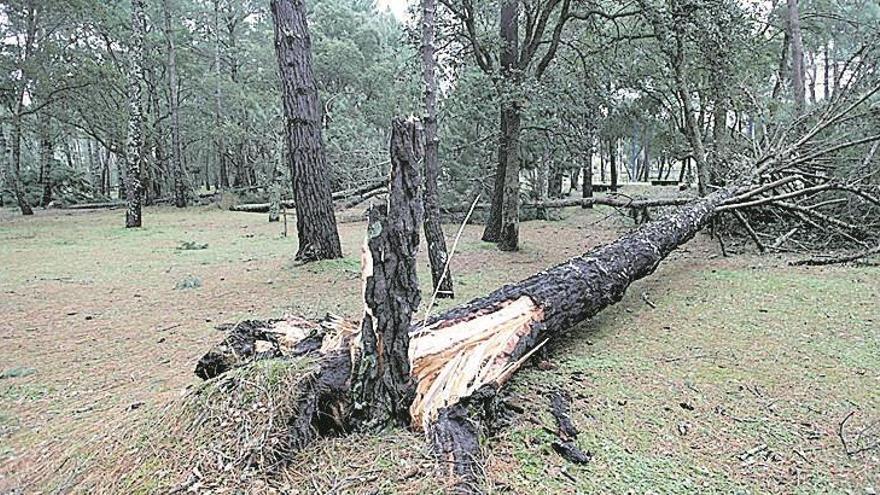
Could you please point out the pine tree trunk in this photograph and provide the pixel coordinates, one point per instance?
(492, 336)
(315, 220)
(180, 193)
(793, 25)
(543, 173)
(46, 158)
(436, 241)
(826, 73)
(275, 193)
(554, 186)
(11, 178)
(612, 154)
(587, 185)
(511, 116)
(15, 168)
(219, 144)
(134, 189)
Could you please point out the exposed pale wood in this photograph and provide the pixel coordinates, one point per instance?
(451, 362)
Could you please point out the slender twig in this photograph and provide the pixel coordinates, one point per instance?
(449, 260)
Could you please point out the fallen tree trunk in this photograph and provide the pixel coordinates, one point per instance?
(459, 358)
(359, 198)
(93, 206)
(471, 350)
(348, 198)
(260, 207)
(360, 191)
(615, 201)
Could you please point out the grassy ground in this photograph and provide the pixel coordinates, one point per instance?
(101, 326)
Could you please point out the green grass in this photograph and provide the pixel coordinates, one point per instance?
(26, 392)
(805, 341)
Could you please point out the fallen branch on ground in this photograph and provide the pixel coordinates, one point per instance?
(349, 198)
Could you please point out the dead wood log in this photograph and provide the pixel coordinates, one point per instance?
(360, 191)
(834, 260)
(482, 343)
(348, 198)
(260, 207)
(460, 358)
(560, 405)
(359, 198)
(615, 201)
(93, 206)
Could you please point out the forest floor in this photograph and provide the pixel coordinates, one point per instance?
(714, 375)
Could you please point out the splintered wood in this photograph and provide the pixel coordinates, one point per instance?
(288, 332)
(449, 362)
(292, 330)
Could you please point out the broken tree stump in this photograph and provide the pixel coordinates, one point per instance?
(382, 385)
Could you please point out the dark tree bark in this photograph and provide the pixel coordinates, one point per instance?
(180, 190)
(11, 178)
(538, 309)
(826, 72)
(508, 151)
(612, 162)
(587, 184)
(793, 27)
(22, 67)
(436, 241)
(554, 186)
(646, 165)
(219, 143)
(134, 189)
(15, 172)
(315, 221)
(682, 173)
(159, 166)
(382, 385)
(47, 151)
(275, 194)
